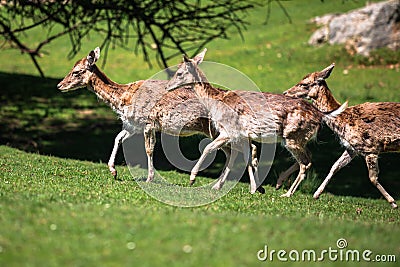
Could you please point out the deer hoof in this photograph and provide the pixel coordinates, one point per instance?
(394, 205)
(261, 190)
(217, 186)
(113, 171)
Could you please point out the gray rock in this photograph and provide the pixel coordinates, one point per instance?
(374, 26)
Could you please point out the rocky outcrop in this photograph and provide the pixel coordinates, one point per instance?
(362, 30)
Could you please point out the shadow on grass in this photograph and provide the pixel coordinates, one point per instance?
(36, 117)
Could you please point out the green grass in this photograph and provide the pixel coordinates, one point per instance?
(66, 210)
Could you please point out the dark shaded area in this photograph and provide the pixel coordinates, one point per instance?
(36, 117)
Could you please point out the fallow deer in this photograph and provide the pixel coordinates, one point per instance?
(243, 116)
(134, 103)
(367, 129)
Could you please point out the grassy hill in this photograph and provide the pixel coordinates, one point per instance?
(59, 205)
(71, 213)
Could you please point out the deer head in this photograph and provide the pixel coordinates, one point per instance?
(309, 87)
(80, 74)
(188, 72)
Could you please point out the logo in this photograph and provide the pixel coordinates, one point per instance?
(338, 253)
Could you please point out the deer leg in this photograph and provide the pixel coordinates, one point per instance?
(254, 163)
(228, 166)
(149, 142)
(252, 166)
(249, 162)
(231, 157)
(254, 159)
(214, 145)
(253, 184)
(373, 171)
(344, 159)
(302, 156)
(284, 175)
(299, 179)
(117, 142)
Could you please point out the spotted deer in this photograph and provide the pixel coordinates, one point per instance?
(241, 117)
(179, 114)
(367, 129)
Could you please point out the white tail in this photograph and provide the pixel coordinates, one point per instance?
(338, 111)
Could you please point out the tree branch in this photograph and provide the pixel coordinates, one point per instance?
(162, 26)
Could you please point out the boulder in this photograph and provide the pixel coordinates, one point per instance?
(362, 30)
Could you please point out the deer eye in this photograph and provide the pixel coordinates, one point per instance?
(304, 85)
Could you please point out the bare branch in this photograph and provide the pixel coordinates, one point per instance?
(282, 7)
(162, 27)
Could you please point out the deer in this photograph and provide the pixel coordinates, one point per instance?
(367, 129)
(134, 103)
(241, 117)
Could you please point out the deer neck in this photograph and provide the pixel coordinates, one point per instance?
(325, 101)
(107, 90)
(205, 90)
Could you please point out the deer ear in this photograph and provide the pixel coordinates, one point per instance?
(199, 58)
(93, 57)
(97, 53)
(325, 73)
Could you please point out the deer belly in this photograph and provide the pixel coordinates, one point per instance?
(133, 128)
(270, 138)
(262, 130)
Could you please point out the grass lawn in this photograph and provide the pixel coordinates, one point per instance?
(60, 207)
(71, 213)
